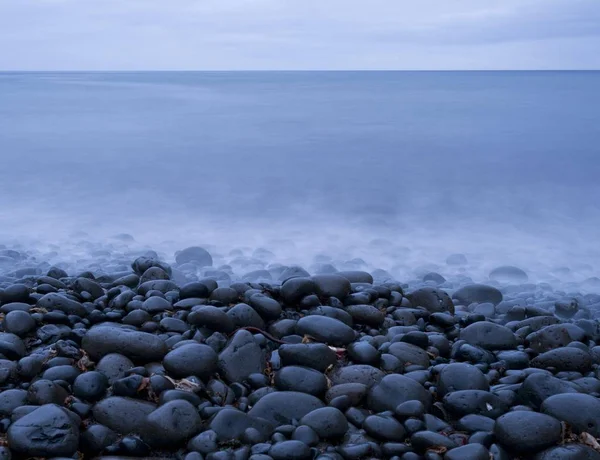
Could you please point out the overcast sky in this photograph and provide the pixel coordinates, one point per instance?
(299, 34)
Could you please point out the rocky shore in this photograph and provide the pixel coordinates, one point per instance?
(176, 358)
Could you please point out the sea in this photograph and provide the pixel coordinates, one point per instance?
(388, 170)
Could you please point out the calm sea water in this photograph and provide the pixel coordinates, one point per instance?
(504, 164)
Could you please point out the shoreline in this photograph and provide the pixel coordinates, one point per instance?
(168, 360)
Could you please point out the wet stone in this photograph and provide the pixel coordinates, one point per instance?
(48, 431)
(580, 411)
(490, 336)
(171, 423)
(123, 415)
(241, 357)
(191, 359)
(461, 376)
(524, 432)
(301, 379)
(281, 407)
(314, 355)
(325, 329)
(140, 347)
(395, 389)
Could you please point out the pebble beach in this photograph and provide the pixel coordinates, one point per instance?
(134, 353)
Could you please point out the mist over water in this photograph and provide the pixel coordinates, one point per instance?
(395, 169)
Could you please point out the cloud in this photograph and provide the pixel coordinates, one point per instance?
(303, 34)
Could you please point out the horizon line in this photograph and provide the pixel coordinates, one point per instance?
(288, 70)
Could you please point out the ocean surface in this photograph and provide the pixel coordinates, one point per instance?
(397, 169)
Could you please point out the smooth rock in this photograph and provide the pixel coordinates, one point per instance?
(191, 359)
(325, 329)
(140, 347)
(281, 407)
(241, 357)
(477, 293)
(580, 411)
(123, 415)
(488, 335)
(524, 432)
(395, 389)
(327, 422)
(48, 431)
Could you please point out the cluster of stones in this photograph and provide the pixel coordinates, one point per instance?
(332, 366)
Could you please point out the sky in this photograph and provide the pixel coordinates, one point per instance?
(299, 34)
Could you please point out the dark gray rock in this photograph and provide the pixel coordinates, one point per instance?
(395, 389)
(267, 307)
(568, 452)
(580, 411)
(241, 357)
(460, 376)
(90, 386)
(301, 379)
(154, 273)
(11, 346)
(477, 293)
(171, 423)
(211, 317)
(19, 323)
(488, 335)
(363, 353)
(366, 314)
(15, 293)
(225, 295)
(356, 276)
(230, 424)
(327, 422)
(290, 450)
(95, 438)
(564, 360)
(358, 373)
(468, 452)
(11, 399)
(555, 336)
(524, 432)
(191, 359)
(409, 354)
(46, 392)
(432, 299)
(332, 285)
(140, 347)
(425, 440)
(314, 355)
(538, 386)
(281, 407)
(325, 329)
(385, 428)
(114, 366)
(163, 286)
(48, 431)
(479, 402)
(156, 304)
(244, 315)
(123, 415)
(355, 392)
